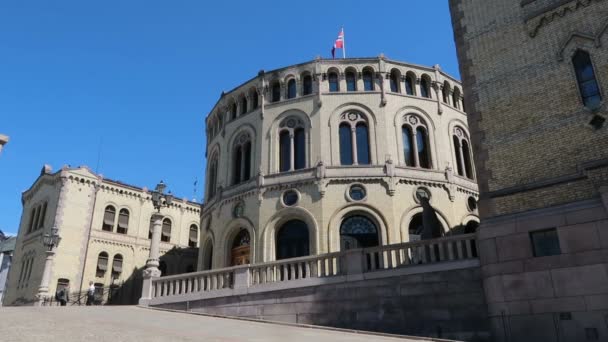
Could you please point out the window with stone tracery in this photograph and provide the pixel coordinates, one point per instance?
(462, 153)
(292, 145)
(354, 139)
(587, 82)
(241, 162)
(416, 142)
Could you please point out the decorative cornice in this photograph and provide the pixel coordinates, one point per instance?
(544, 15)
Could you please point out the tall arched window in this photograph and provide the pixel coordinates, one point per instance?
(425, 90)
(166, 232)
(587, 82)
(233, 111)
(292, 145)
(276, 91)
(292, 240)
(395, 81)
(351, 80)
(354, 139)
(368, 79)
(416, 142)
(456, 98)
(306, 85)
(291, 88)
(241, 163)
(408, 145)
(123, 221)
(243, 105)
(193, 236)
(254, 99)
(409, 84)
(117, 266)
(334, 85)
(212, 176)
(462, 152)
(445, 90)
(42, 216)
(109, 216)
(102, 264)
(30, 227)
(358, 231)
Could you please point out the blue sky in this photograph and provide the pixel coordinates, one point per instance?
(138, 77)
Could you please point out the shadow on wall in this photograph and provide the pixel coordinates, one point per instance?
(175, 261)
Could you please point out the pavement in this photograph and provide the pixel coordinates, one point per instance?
(131, 323)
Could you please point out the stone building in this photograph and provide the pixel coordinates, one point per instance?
(105, 231)
(7, 246)
(335, 154)
(535, 73)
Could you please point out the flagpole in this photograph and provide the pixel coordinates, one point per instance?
(343, 44)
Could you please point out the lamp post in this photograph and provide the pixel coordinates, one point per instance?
(3, 140)
(159, 200)
(50, 241)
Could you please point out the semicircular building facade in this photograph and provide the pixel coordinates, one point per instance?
(331, 155)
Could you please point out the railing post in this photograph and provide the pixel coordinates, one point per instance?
(150, 275)
(241, 278)
(353, 263)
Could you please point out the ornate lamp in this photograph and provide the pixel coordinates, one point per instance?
(51, 240)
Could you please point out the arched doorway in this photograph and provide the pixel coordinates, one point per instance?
(240, 252)
(471, 227)
(358, 231)
(292, 240)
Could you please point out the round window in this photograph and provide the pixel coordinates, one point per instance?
(290, 198)
(423, 193)
(357, 193)
(472, 203)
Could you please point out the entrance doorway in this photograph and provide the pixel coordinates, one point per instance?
(240, 252)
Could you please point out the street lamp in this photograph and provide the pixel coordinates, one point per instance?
(50, 241)
(159, 200)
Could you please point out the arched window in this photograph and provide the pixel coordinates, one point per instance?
(193, 236)
(425, 90)
(307, 85)
(354, 139)
(409, 84)
(42, 216)
(276, 91)
(416, 142)
(166, 232)
(108, 218)
(368, 79)
(292, 145)
(358, 231)
(212, 176)
(241, 170)
(102, 264)
(445, 90)
(587, 82)
(117, 265)
(462, 153)
(254, 99)
(292, 240)
(408, 146)
(233, 111)
(456, 98)
(395, 81)
(416, 225)
(208, 255)
(334, 86)
(123, 221)
(30, 226)
(351, 80)
(240, 252)
(291, 88)
(243, 105)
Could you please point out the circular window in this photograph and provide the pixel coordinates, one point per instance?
(422, 194)
(472, 203)
(357, 192)
(290, 198)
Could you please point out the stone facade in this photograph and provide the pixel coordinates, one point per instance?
(535, 72)
(6, 255)
(276, 155)
(77, 201)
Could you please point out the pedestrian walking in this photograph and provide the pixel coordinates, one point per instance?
(91, 294)
(61, 296)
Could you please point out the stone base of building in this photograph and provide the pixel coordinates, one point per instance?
(561, 297)
(447, 304)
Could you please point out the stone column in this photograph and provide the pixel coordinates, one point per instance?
(292, 158)
(43, 289)
(152, 263)
(353, 133)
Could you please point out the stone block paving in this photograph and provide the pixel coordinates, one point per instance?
(130, 323)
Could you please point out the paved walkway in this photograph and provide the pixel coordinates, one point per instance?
(129, 323)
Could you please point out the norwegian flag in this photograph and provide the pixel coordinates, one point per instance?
(339, 44)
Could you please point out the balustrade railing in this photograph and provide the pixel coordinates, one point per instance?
(330, 265)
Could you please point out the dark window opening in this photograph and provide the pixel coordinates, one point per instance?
(545, 242)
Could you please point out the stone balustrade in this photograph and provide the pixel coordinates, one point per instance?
(454, 252)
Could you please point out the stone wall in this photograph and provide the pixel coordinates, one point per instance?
(448, 304)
